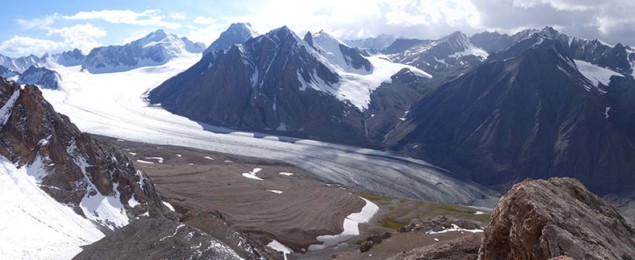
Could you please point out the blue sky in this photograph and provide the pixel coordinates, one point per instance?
(36, 27)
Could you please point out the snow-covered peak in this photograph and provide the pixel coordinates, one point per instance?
(243, 29)
(237, 33)
(154, 49)
(172, 43)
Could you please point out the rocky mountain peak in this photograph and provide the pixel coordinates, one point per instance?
(308, 38)
(95, 180)
(41, 76)
(541, 219)
(457, 40)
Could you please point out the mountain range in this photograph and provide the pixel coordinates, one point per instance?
(493, 108)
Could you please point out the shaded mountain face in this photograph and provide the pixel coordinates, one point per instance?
(154, 49)
(95, 180)
(237, 33)
(544, 219)
(526, 112)
(277, 82)
(7, 73)
(40, 76)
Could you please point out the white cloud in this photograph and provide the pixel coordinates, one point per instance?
(81, 36)
(178, 16)
(204, 20)
(145, 18)
(206, 34)
(38, 22)
(22, 46)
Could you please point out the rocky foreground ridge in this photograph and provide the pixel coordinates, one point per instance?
(542, 219)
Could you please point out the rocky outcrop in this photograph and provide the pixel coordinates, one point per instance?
(93, 178)
(541, 219)
(159, 239)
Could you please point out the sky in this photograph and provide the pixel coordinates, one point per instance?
(38, 27)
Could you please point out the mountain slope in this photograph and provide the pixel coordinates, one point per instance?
(526, 112)
(317, 87)
(154, 49)
(619, 58)
(92, 178)
(34, 224)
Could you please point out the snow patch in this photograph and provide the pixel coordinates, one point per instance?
(455, 228)
(275, 191)
(275, 245)
(5, 111)
(145, 162)
(252, 174)
(606, 112)
(209, 158)
(286, 173)
(34, 225)
(472, 50)
(104, 209)
(132, 202)
(595, 74)
(158, 159)
(179, 155)
(168, 205)
(479, 213)
(351, 228)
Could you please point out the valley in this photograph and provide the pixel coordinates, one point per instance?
(268, 145)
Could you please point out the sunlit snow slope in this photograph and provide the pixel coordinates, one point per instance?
(33, 225)
(113, 104)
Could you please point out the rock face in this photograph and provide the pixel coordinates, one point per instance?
(540, 219)
(158, 239)
(41, 76)
(93, 178)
